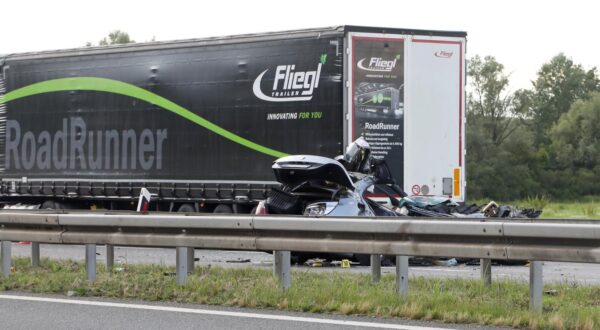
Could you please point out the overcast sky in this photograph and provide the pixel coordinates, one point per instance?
(520, 34)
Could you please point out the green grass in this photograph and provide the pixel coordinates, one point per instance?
(572, 210)
(448, 300)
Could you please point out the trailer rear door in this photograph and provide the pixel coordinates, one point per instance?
(406, 97)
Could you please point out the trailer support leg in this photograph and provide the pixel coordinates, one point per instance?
(402, 275)
(376, 267)
(35, 254)
(281, 268)
(486, 271)
(6, 257)
(536, 286)
(90, 261)
(182, 265)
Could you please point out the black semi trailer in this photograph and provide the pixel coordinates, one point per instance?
(198, 122)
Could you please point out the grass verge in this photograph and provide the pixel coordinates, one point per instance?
(572, 210)
(449, 300)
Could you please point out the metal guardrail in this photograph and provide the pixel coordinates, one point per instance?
(510, 239)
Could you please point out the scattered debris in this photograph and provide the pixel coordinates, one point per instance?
(121, 262)
(317, 262)
(420, 261)
(387, 262)
(448, 262)
(72, 293)
(443, 207)
(490, 210)
(238, 261)
(344, 263)
(551, 292)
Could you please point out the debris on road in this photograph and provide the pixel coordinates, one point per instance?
(452, 262)
(317, 262)
(238, 261)
(344, 263)
(422, 206)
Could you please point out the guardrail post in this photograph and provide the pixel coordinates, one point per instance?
(90, 261)
(182, 265)
(35, 254)
(110, 257)
(536, 286)
(6, 257)
(281, 268)
(402, 275)
(190, 259)
(486, 271)
(376, 267)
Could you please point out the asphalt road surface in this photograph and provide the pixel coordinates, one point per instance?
(28, 311)
(553, 271)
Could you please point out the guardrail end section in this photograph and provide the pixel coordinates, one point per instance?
(536, 286)
(6, 257)
(35, 254)
(90, 261)
(486, 271)
(282, 269)
(402, 275)
(182, 264)
(376, 267)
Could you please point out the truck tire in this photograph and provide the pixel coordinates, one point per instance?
(223, 208)
(186, 208)
(48, 205)
(52, 205)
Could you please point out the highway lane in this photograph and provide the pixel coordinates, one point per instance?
(28, 311)
(553, 271)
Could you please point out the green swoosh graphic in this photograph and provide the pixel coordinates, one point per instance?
(119, 87)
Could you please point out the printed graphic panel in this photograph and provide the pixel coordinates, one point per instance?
(221, 112)
(378, 97)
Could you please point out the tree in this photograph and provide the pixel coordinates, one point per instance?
(496, 139)
(116, 37)
(559, 83)
(490, 105)
(576, 135)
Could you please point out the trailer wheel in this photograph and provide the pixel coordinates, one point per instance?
(53, 205)
(223, 208)
(186, 208)
(48, 205)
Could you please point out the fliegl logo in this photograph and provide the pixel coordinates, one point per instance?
(443, 54)
(377, 64)
(290, 85)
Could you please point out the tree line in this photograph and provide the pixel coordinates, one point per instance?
(543, 140)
